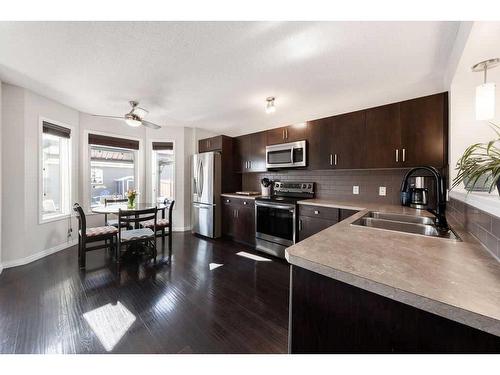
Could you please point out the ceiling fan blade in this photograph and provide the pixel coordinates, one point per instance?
(150, 125)
(113, 117)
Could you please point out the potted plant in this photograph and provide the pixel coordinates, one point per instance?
(480, 164)
(131, 195)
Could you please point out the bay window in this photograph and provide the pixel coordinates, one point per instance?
(56, 171)
(112, 168)
(163, 167)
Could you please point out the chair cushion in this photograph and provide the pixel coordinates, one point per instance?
(136, 234)
(100, 231)
(160, 223)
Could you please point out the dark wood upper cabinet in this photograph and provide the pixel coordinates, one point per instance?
(210, 144)
(424, 136)
(320, 143)
(383, 134)
(337, 142)
(348, 140)
(251, 152)
(285, 134)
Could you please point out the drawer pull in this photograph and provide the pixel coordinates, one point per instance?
(245, 202)
(316, 212)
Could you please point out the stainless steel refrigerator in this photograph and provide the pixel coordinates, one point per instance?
(206, 190)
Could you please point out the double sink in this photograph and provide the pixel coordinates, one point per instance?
(421, 225)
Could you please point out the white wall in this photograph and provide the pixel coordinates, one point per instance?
(483, 43)
(24, 238)
(1, 267)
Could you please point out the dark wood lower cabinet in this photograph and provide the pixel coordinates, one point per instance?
(313, 219)
(238, 220)
(328, 316)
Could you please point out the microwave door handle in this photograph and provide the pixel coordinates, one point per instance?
(291, 155)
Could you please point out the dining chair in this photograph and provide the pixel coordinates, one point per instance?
(106, 233)
(163, 224)
(139, 236)
(108, 201)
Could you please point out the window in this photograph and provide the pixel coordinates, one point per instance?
(112, 168)
(163, 167)
(56, 171)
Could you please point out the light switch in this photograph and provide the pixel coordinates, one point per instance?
(381, 190)
(355, 189)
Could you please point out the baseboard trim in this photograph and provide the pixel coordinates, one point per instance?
(181, 229)
(36, 256)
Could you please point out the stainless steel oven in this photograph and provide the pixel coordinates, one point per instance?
(276, 216)
(286, 155)
(275, 226)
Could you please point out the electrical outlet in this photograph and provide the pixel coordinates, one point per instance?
(355, 189)
(381, 190)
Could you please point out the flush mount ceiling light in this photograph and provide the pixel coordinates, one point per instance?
(270, 108)
(485, 93)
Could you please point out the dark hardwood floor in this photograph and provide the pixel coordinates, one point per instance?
(50, 306)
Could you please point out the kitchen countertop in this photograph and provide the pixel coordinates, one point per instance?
(456, 280)
(228, 195)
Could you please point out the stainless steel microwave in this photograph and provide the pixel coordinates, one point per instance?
(286, 155)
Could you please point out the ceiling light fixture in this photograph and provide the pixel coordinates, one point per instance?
(270, 108)
(133, 122)
(485, 93)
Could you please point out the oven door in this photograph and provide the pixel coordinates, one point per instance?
(275, 222)
(287, 155)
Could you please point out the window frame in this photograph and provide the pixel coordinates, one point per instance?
(67, 196)
(152, 167)
(138, 161)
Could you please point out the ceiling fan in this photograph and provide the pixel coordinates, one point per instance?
(135, 117)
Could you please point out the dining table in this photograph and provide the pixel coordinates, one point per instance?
(114, 209)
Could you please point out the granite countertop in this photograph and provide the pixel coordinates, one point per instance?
(231, 195)
(457, 280)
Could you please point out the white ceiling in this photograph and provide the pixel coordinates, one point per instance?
(216, 75)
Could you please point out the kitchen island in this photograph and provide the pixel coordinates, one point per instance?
(359, 289)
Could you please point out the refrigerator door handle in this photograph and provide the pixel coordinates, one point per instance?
(201, 182)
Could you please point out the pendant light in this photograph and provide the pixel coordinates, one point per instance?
(485, 93)
(270, 108)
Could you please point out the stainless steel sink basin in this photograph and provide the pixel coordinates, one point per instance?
(423, 226)
(402, 218)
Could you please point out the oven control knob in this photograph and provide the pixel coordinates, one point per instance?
(304, 186)
(310, 186)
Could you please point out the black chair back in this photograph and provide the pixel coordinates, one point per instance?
(127, 217)
(170, 207)
(81, 218)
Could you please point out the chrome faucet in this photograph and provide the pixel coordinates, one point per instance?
(439, 212)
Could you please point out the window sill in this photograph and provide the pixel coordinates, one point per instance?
(486, 202)
(52, 218)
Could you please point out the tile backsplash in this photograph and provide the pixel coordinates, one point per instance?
(337, 184)
(484, 226)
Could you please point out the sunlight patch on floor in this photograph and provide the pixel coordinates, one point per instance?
(253, 256)
(213, 266)
(110, 323)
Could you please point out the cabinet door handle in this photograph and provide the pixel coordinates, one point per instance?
(300, 225)
(397, 156)
(331, 159)
(335, 159)
(283, 134)
(286, 133)
(316, 212)
(404, 154)
(250, 164)
(245, 203)
(237, 213)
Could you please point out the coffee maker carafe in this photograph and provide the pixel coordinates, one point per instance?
(419, 194)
